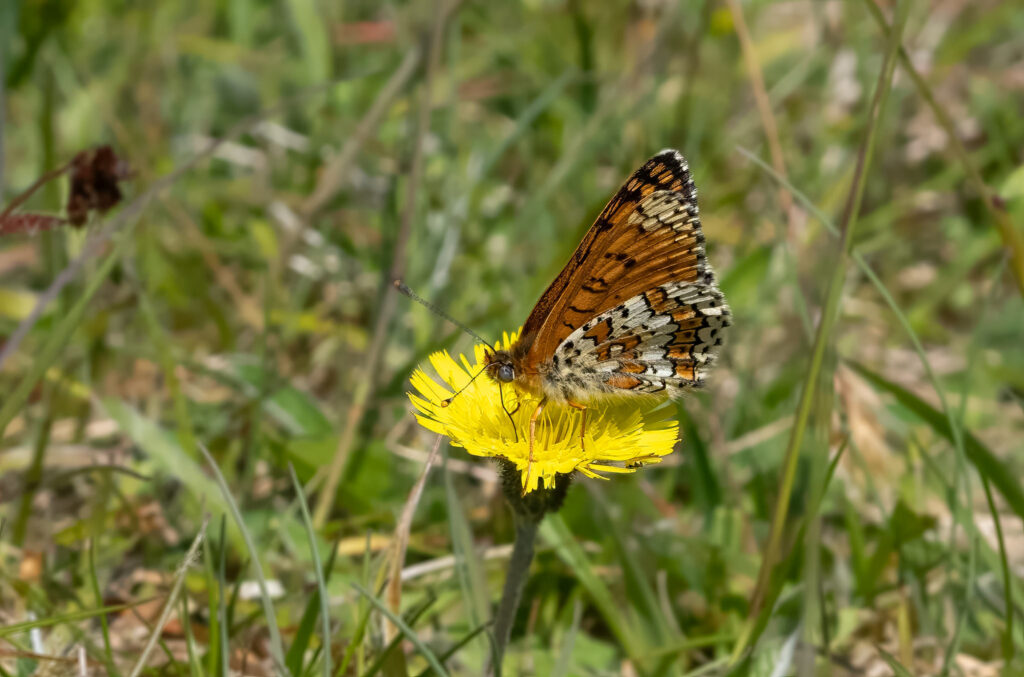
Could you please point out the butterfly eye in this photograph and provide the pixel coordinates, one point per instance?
(506, 374)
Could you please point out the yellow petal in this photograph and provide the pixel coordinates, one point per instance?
(622, 434)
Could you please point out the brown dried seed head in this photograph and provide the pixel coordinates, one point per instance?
(95, 174)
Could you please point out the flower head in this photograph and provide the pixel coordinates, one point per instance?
(622, 433)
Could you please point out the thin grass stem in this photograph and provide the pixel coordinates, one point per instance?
(276, 645)
(396, 271)
(1012, 239)
(94, 581)
(155, 635)
(822, 339)
(404, 627)
(325, 613)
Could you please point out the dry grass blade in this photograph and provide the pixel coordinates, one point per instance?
(401, 541)
(179, 580)
(823, 336)
(764, 108)
(334, 174)
(396, 271)
(1012, 239)
(29, 223)
(28, 192)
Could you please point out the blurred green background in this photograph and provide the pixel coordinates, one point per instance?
(245, 306)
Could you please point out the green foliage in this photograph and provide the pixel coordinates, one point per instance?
(232, 312)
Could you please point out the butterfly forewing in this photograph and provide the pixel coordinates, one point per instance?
(636, 309)
(565, 304)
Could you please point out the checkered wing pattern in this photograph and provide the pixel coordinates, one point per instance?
(637, 309)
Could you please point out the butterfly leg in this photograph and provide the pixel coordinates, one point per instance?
(533, 436)
(501, 394)
(583, 422)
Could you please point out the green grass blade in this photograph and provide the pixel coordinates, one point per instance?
(385, 659)
(896, 666)
(555, 531)
(310, 615)
(468, 567)
(829, 316)
(165, 615)
(14, 402)
(986, 462)
(956, 435)
(94, 580)
(564, 663)
(186, 431)
(406, 630)
(321, 583)
(167, 454)
(792, 562)
(194, 664)
(74, 617)
(525, 120)
(1004, 564)
(276, 646)
(455, 648)
(312, 35)
(1008, 232)
(363, 618)
(706, 488)
(216, 658)
(645, 601)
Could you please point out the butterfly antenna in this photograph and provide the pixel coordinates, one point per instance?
(445, 402)
(404, 288)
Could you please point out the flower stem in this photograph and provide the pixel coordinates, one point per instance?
(515, 581)
(528, 510)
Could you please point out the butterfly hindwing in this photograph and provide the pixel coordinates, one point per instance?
(637, 308)
(663, 340)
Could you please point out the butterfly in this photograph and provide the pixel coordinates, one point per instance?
(635, 311)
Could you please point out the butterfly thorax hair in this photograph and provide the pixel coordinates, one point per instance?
(513, 366)
(509, 366)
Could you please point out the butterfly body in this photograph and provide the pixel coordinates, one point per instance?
(636, 311)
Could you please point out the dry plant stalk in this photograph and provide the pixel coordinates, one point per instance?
(95, 177)
(764, 109)
(401, 541)
(367, 379)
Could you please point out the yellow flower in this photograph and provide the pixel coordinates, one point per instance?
(623, 433)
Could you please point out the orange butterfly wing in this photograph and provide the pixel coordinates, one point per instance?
(624, 255)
